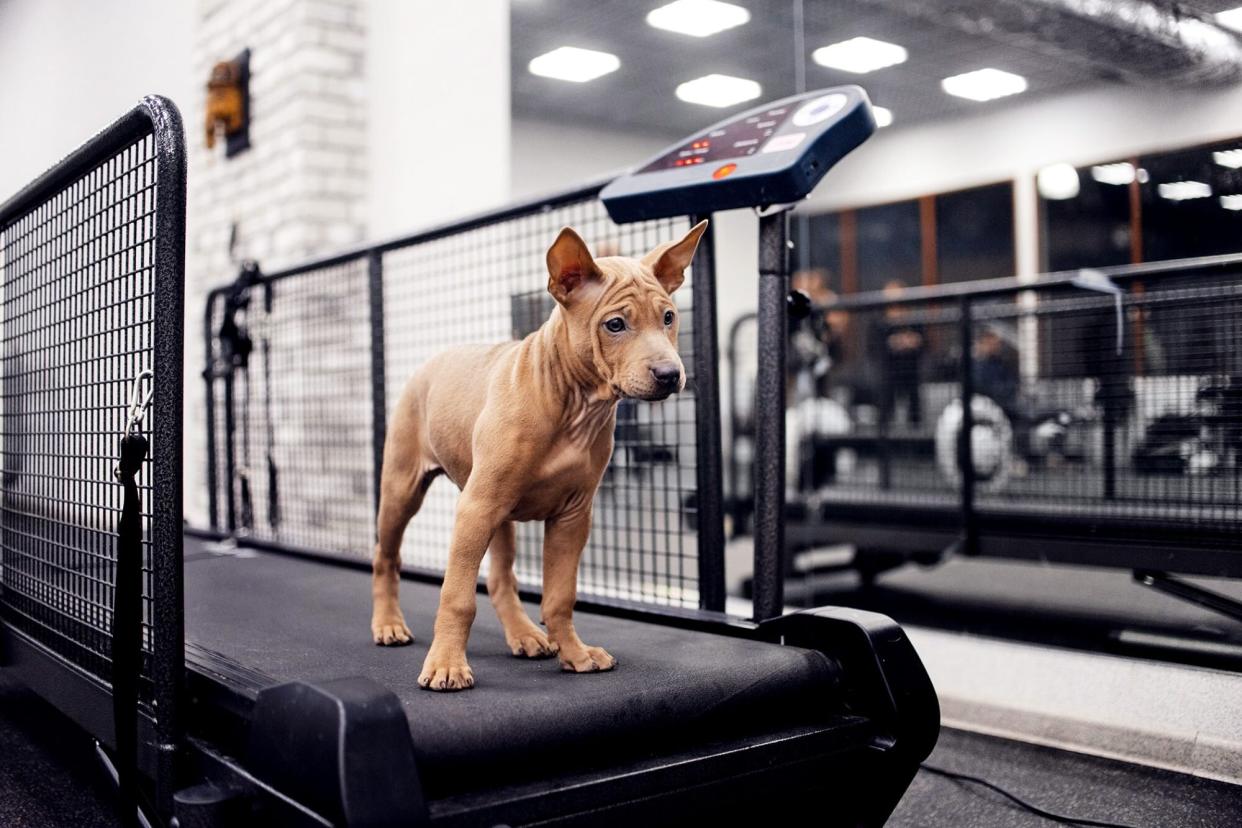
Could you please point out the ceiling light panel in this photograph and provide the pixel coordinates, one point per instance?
(1231, 19)
(719, 90)
(860, 55)
(698, 18)
(1184, 190)
(569, 63)
(1230, 159)
(984, 84)
(1118, 174)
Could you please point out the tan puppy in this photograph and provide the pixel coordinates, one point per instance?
(525, 431)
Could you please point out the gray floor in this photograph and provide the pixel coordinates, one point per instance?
(48, 774)
(1067, 784)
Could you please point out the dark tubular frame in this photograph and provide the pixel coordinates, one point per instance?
(1151, 550)
(769, 583)
(708, 505)
(76, 693)
(710, 495)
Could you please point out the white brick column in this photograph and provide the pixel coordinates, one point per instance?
(299, 190)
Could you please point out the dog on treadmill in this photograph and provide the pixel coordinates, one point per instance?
(524, 429)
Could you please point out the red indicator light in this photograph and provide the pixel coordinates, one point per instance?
(723, 171)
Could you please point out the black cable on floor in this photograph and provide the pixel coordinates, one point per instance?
(1065, 820)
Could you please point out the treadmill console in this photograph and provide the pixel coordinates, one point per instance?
(773, 154)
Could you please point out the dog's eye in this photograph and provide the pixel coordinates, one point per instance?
(616, 324)
(668, 318)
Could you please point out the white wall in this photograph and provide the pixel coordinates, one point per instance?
(548, 156)
(438, 92)
(70, 67)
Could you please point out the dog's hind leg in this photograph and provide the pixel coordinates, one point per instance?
(401, 493)
(521, 634)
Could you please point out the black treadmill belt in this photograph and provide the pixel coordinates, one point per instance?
(295, 619)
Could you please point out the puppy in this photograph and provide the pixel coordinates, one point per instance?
(525, 431)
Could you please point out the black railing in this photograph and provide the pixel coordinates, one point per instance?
(1103, 408)
(304, 366)
(91, 280)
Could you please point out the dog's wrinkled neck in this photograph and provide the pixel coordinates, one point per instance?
(565, 366)
(588, 397)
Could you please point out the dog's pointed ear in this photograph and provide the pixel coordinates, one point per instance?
(669, 261)
(571, 270)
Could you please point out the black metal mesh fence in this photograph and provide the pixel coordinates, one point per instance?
(1120, 410)
(310, 428)
(1115, 413)
(865, 393)
(80, 303)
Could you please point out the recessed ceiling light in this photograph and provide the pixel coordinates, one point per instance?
(1231, 19)
(719, 90)
(698, 18)
(883, 115)
(1184, 190)
(1231, 202)
(984, 84)
(570, 63)
(1231, 159)
(1118, 174)
(1057, 182)
(860, 55)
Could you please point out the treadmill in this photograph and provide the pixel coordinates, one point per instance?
(231, 684)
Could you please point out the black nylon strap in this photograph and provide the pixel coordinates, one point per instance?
(273, 491)
(127, 627)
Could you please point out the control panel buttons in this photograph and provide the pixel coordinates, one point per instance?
(820, 109)
(784, 142)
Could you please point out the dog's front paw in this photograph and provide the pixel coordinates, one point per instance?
(586, 660)
(391, 632)
(530, 643)
(445, 672)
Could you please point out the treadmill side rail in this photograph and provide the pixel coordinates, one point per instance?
(887, 682)
(342, 747)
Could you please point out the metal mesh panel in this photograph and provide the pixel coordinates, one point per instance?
(302, 444)
(1114, 416)
(866, 393)
(1143, 426)
(484, 283)
(78, 285)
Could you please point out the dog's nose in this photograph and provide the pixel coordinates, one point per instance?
(667, 375)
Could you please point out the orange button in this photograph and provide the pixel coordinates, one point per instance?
(722, 172)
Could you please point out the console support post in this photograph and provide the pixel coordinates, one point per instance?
(769, 465)
(710, 496)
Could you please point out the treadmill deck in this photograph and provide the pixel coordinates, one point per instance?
(285, 618)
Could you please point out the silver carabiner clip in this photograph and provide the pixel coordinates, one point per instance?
(138, 404)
